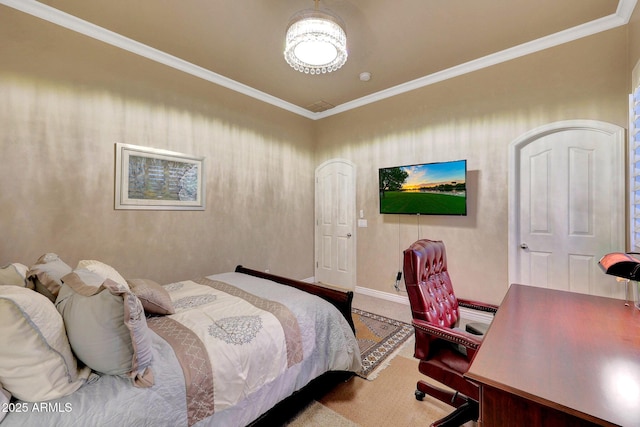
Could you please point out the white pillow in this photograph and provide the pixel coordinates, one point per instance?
(103, 270)
(36, 362)
(15, 274)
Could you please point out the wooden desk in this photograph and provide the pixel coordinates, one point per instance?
(554, 358)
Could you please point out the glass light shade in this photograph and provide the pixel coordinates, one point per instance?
(316, 42)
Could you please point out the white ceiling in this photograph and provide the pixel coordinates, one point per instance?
(404, 44)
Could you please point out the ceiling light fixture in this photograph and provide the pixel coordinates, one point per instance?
(316, 41)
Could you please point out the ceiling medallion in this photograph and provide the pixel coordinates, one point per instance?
(316, 41)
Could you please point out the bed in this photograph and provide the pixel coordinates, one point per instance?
(220, 350)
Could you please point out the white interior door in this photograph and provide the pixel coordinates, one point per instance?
(568, 206)
(335, 240)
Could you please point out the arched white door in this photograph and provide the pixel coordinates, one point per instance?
(567, 206)
(335, 239)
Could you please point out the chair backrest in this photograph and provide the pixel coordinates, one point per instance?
(428, 283)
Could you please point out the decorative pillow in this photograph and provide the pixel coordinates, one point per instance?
(155, 299)
(103, 270)
(36, 362)
(106, 326)
(46, 273)
(15, 274)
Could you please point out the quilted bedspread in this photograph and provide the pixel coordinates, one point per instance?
(235, 347)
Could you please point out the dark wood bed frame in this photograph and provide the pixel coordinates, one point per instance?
(292, 405)
(340, 299)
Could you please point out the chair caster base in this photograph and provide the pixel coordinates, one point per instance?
(468, 411)
(419, 395)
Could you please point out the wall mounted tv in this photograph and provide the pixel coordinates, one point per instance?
(424, 189)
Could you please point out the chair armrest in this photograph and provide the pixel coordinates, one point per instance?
(454, 336)
(480, 306)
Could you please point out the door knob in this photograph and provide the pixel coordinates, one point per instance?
(524, 246)
(348, 235)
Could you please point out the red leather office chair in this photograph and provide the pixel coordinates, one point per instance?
(445, 351)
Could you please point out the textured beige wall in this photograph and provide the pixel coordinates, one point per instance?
(65, 100)
(473, 117)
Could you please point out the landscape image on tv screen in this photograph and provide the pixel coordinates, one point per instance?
(425, 189)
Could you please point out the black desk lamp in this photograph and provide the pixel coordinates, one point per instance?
(622, 265)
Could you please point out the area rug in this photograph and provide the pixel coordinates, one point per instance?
(379, 339)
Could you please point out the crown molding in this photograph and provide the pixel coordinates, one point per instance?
(88, 29)
(621, 17)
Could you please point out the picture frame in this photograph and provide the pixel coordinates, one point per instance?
(155, 179)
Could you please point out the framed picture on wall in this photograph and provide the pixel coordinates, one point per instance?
(150, 178)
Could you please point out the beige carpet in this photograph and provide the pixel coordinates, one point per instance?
(387, 401)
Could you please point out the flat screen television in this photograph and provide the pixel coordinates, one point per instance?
(424, 189)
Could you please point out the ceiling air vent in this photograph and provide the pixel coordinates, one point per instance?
(319, 106)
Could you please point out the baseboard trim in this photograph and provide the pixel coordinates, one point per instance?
(387, 296)
(467, 314)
